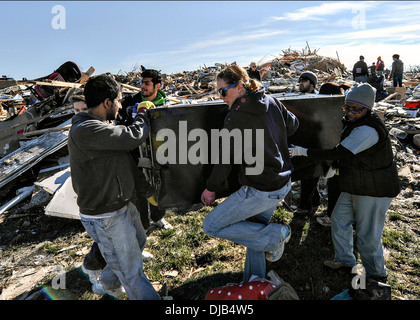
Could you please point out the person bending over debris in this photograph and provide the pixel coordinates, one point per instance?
(368, 182)
(260, 193)
(103, 179)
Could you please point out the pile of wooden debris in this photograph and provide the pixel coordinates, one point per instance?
(280, 75)
(34, 127)
(34, 160)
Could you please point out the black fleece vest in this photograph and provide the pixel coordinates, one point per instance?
(372, 172)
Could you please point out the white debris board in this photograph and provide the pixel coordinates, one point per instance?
(55, 181)
(64, 202)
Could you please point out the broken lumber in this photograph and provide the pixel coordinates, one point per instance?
(38, 132)
(86, 75)
(51, 83)
(130, 87)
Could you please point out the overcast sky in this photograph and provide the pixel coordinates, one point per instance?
(173, 36)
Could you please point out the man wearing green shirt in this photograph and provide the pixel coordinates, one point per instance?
(150, 91)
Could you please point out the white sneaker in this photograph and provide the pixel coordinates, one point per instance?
(94, 275)
(147, 256)
(116, 293)
(324, 221)
(162, 223)
(276, 254)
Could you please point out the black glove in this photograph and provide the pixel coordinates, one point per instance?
(142, 117)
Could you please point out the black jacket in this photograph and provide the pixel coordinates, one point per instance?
(372, 172)
(254, 74)
(360, 69)
(258, 111)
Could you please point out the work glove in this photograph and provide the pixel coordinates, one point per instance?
(208, 197)
(142, 117)
(152, 200)
(297, 151)
(145, 105)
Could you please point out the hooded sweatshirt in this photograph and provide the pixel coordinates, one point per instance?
(101, 165)
(160, 100)
(360, 69)
(249, 113)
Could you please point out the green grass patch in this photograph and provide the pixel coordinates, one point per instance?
(393, 216)
(390, 238)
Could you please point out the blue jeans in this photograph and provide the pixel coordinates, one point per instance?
(368, 213)
(361, 79)
(397, 80)
(121, 240)
(228, 221)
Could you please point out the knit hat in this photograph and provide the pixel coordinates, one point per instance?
(363, 94)
(310, 76)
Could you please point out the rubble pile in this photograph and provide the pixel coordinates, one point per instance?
(35, 108)
(198, 85)
(281, 74)
(34, 126)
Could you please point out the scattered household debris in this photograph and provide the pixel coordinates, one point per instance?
(36, 116)
(39, 111)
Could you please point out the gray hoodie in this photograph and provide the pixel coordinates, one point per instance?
(100, 163)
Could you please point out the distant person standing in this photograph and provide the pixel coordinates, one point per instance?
(380, 66)
(372, 69)
(360, 70)
(397, 71)
(253, 72)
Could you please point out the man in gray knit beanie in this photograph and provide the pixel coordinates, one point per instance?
(368, 181)
(363, 94)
